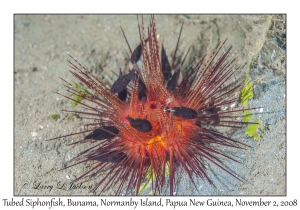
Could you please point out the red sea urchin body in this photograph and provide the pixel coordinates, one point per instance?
(156, 128)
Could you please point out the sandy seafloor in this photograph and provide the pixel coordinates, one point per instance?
(42, 44)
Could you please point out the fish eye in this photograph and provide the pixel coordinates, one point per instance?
(117, 89)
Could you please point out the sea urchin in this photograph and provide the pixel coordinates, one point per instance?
(152, 121)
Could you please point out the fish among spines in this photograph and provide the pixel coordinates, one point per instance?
(166, 66)
(105, 132)
(122, 82)
(142, 125)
